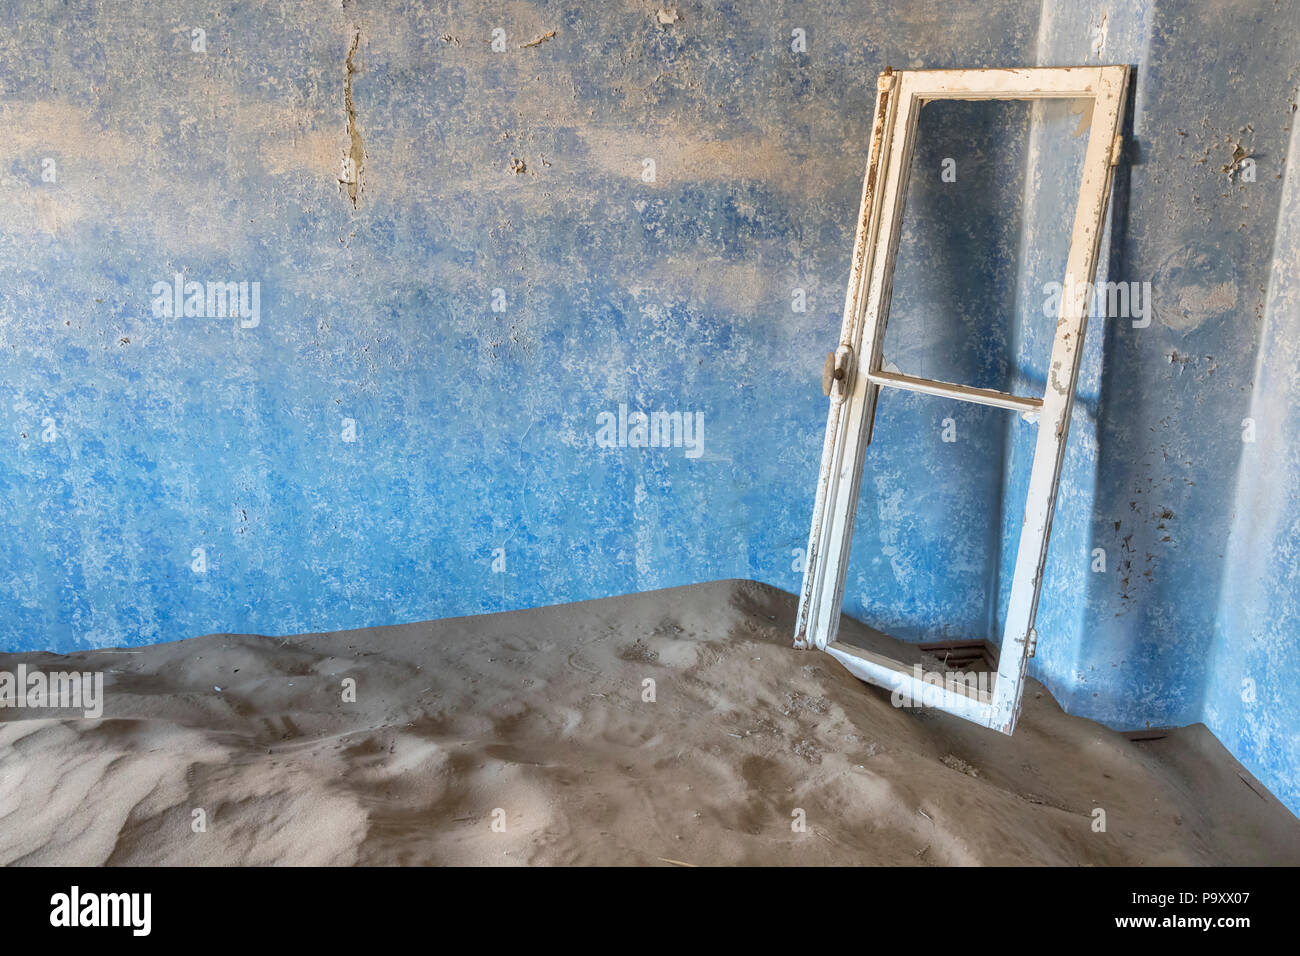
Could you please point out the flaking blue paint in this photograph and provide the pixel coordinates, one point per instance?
(1158, 474)
(476, 429)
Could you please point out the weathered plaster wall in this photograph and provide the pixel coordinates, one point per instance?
(475, 430)
(1253, 680)
(359, 455)
(1193, 598)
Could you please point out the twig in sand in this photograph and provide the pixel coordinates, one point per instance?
(678, 862)
(538, 42)
(1251, 785)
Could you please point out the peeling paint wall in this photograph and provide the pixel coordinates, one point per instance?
(1253, 680)
(1193, 617)
(462, 259)
(462, 262)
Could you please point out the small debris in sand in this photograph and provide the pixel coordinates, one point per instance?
(1234, 166)
(639, 651)
(796, 704)
(956, 763)
(807, 750)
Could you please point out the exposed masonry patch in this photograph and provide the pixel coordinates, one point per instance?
(355, 161)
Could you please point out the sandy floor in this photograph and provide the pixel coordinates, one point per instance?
(539, 714)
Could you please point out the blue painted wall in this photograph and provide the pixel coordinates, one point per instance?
(359, 454)
(1194, 617)
(1253, 679)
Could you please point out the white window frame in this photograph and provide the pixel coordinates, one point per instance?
(854, 375)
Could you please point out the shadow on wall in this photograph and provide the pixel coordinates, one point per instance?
(1065, 613)
(1108, 558)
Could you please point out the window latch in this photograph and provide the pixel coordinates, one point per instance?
(837, 373)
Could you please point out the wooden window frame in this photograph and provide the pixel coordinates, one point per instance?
(854, 375)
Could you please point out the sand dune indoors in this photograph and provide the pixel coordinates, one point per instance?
(537, 719)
